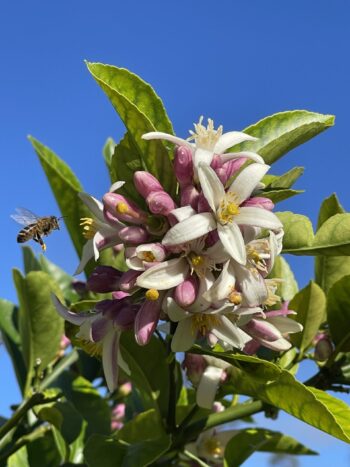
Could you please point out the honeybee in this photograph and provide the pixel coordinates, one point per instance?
(35, 226)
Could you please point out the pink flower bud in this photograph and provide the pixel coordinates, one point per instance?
(186, 292)
(147, 319)
(183, 164)
(216, 162)
(133, 234)
(120, 294)
(203, 205)
(118, 414)
(194, 366)
(233, 166)
(123, 209)
(251, 347)
(159, 202)
(218, 407)
(323, 347)
(259, 202)
(262, 330)
(128, 280)
(222, 174)
(103, 279)
(189, 196)
(145, 183)
(212, 238)
(125, 389)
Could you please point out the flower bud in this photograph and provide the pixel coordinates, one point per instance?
(133, 234)
(189, 196)
(216, 162)
(183, 164)
(262, 330)
(128, 280)
(203, 205)
(251, 347)
(323, 347)
(123, 209)
(145, 183)
(118, 414)
(186, 292)
(125, 389)
(194, 366)
(147, 319)
(259, 202)
(103, 279)
(233, 166)
(159, 202)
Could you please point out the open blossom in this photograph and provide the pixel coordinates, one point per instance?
(210, 445)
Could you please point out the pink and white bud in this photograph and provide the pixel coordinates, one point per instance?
(262, 330)
(145, 183)
(147, 319)
(123, 209)
(125, 389)
(203, 205)
(183, 165)
(211, 339)
(103, 279)
(189, 196)
(216, 162)
(323, 347)
(259, 202)
(218, 407)
(120, 294)
(133, 234)
(128, 279)
(251, 347)
(144, 256)
(186, 292)
(194, 365)
(118, 414)
(160, 203)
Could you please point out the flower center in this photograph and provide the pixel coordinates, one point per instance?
(152, 295)
(146, 256)
(205, 137)
(214, 447)
(258, 254)
(203, 323)
(229, 208)
(89, 227)
(272, 297)
(235, 297)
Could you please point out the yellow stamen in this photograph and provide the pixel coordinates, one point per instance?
(235, 298)
(152, 294)
(147, 256)
(122, 208)
(197, 260)
(203, 323)
(206, 137)
(229, 207)
(89, 227)
(214, 447)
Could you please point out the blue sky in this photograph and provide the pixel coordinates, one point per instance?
(233, 61)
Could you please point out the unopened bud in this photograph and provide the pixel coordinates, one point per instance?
(134, 235)
(145, 183)
(186, 292)
(259, 202)
(123, 209)
(159, 202)
(189, 196)
(128, 280)
(183, 165)
(146, 320)
(194, 366)
(323, 348)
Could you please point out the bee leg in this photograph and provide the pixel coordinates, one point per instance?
(41, 242)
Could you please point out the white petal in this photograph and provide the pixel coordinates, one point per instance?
(123, 365)
(94, 205)
(230, 333)
(247, 180)
(231, 237)
(167, 137)
(87, 253)
(279, 345)
(252, 285)
(208, 386)
(110, 358)
(75, 318)
(164, 275)
(285, 325)
(222, 286)
(174, 311)
(183, 213)
(135, 263)
(116, 186)
(218, 253)
(237, 155)
(202, 156)
(189, 229)
(184, 336)
(258, 217)
(212, 187)
(229, 139)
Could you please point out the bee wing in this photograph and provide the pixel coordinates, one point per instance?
(24, 216)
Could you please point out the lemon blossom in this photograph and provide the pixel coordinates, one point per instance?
(227, 214)
(208, 141)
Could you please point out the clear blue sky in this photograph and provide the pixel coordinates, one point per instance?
(234, 61)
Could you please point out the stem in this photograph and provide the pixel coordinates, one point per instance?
(188, 418)
(24, 440)
(171, 419)
(195, 458)
(65, 362)
(36, 399)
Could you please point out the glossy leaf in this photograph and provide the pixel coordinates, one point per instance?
(141, 111)
(281, 132)
(65, 187)
(310, 305)
(43, 452)
(147, 452)
(243, 444)
(108, 151)
(30, 261)
(329, 269)
(41, 328)
(298, 231)
(65, 418)
(276, 195)
(8, 315)
(285, 180)
(104, 451)
(288, 287)
(149, 374)
(338, 312)
(19, 458)
(144, 426)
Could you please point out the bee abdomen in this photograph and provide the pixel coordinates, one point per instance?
(25, 234)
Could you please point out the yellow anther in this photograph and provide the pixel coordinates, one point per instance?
(214, 447)
(152, 294)
(229, 207)
(122, 208)
(147, 256)
(203, 323)
(89, 227)
(235, 298)
(232, 209)
(197, 260)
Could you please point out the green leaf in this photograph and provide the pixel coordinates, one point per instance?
(126, 160)
(41, 328)
(64, 417)
(298, 231)
(149, 371)
(8, 315)
(246, 442)
(338, 312)
(108, 151)
(285, 180)
(289, 287)
(30, 261)
(145, 426)
(19, 458)
(310, 305)
(281, 132)
(147, 452)
(141, 111)
(104, 451)
(329, 269)
(277, 195)
(43, 452)
(267, 382)
(65, 187)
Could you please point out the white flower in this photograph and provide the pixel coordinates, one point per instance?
(211, 444)
(210, 380)
(208, 141)
(227, 214)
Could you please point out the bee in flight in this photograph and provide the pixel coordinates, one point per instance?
(35, 226)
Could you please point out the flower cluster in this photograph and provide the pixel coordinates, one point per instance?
(200, 260)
